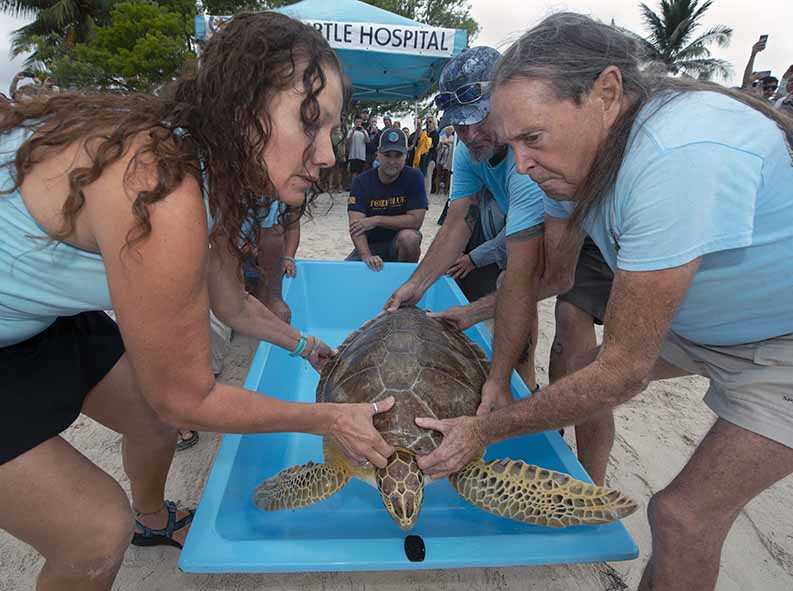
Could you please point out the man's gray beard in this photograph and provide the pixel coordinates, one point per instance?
(485, 155)
(391, 178)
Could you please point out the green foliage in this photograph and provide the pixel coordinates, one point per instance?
(144, 45)
(452, 14)
(56, 22)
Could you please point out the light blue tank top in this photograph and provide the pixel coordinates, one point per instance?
(40, 279)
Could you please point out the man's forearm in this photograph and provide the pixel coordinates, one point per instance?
(397, 222)
(445, 249)
(569, 401)
(361, 244)
(492, 251)
(484, 308)
(516, 307)
(550, 286)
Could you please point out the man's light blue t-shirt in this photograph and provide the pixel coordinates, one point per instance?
(519, 196)
(706, 176)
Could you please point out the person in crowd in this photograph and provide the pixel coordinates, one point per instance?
(357, 138)
(374, 139)
(784, 99)
(444, 159)
(421, 149)
(485, 256)
(386, 207)
(759, 84)
(428, 164)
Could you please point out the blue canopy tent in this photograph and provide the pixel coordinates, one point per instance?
(387, 57)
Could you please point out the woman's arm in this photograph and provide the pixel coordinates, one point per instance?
(236, 308)
(159, 291)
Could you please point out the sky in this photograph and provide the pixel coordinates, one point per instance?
(503, 20)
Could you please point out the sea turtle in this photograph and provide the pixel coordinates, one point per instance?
(433, 370)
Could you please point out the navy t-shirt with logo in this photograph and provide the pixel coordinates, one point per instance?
(371, 197)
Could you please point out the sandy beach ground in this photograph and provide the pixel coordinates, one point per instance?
(656, 433)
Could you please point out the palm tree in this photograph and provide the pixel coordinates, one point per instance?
(674, 42)
(56, 23)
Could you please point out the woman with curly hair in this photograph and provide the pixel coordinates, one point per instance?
(135, 203)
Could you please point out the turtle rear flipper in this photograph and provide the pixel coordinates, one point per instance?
(300, 486)
(520, 491)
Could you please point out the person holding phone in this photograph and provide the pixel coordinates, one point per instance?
(784, 99)
(761, 83)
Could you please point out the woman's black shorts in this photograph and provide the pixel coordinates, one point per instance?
(45, 379)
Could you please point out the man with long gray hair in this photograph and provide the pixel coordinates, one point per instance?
(687, 189)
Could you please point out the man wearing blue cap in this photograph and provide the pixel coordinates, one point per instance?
(386, 207)
(481, 166)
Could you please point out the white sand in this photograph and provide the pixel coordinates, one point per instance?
(655, 435)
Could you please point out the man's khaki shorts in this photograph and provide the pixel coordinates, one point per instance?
(751, 385)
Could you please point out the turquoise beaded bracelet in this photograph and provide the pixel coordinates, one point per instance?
(301, 346)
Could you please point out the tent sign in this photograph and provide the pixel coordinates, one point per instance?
(429, 41)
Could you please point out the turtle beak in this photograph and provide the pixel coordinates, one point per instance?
(401, 485)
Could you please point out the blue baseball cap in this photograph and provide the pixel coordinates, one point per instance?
(476, 64)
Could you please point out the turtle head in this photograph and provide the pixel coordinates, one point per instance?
(401, 486)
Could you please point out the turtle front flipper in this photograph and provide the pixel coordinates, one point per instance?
(300, 486)
(520, 491)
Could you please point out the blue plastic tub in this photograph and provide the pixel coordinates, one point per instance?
(352, 531)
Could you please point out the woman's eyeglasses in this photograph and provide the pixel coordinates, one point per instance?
(464, 95)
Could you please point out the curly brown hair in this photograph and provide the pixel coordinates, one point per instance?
(212, 124)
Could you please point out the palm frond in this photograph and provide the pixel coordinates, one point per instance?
(654, 23)
(22, 40)
(673, 33)
(708, 67)
(61, 14)
(698, 12)
(720, 35)
(23, 8)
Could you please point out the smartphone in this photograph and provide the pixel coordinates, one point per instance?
(764, 38)
(763, 74)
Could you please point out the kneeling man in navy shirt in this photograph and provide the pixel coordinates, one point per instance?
(387, 206)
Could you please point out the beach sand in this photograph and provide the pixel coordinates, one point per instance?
(656, 433)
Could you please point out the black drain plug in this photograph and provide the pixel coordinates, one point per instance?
(415, 549)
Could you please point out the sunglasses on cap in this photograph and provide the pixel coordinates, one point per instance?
(464, 95)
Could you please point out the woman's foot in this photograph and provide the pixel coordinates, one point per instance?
(186, 439)
(166, 527)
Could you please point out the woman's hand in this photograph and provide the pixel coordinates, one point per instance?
(317, 353)
(353, 431)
